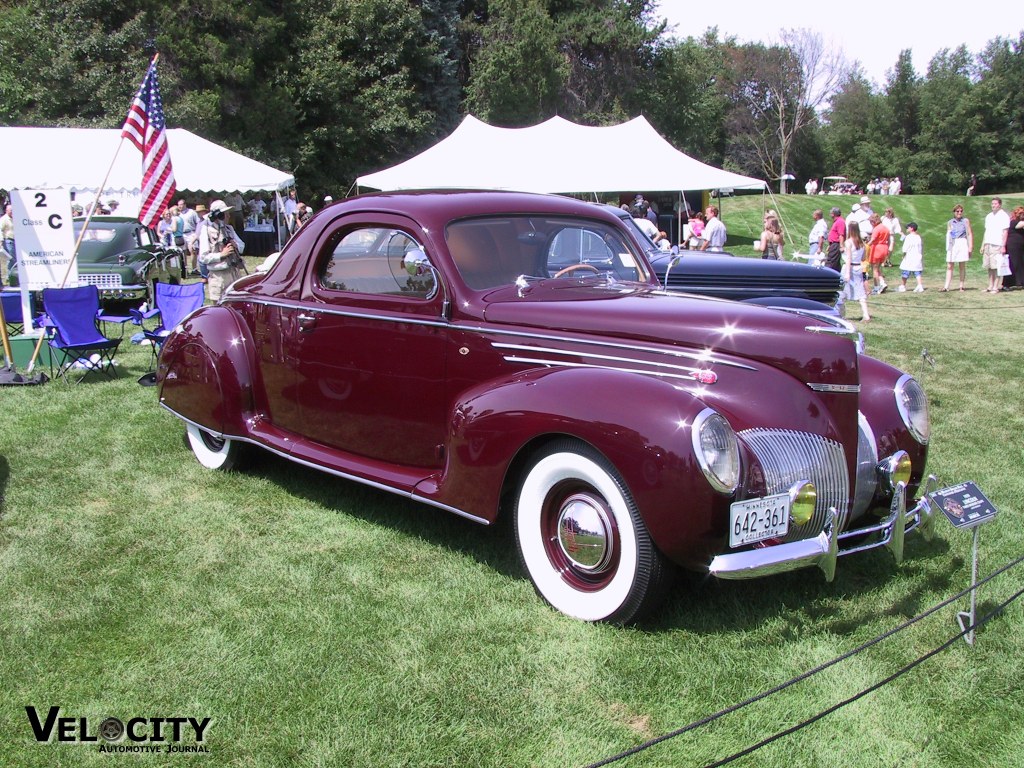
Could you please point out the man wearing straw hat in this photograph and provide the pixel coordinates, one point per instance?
(220, 249)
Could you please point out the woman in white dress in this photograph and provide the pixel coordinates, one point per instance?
(959, 245)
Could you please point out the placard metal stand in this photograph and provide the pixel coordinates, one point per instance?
(965, 506)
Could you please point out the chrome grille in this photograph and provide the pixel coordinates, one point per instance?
(787, 457)
(102, 280)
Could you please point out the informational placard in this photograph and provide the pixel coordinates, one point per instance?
(45, 238)
(964, 505)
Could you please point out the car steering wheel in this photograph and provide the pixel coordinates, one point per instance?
(574, 267)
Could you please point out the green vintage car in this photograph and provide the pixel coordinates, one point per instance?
(122, 257)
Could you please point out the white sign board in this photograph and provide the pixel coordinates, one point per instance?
(45, 237)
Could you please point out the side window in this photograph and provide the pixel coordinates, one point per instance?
(373, 260)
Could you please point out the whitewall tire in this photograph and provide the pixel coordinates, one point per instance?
(582, 540)
(213, 452)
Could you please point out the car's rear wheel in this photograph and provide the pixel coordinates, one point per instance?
(581, 538)
(213, 452)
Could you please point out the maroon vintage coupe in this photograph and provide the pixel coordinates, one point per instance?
(498, 353)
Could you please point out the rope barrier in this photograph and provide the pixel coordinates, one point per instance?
(821, 668)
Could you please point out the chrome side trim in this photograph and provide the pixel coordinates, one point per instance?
(335, 472)
(843, 389)
(701, 357)
(592, 355)
(567, 364)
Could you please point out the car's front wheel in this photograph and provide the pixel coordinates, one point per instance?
(582, 540)
(213, 452)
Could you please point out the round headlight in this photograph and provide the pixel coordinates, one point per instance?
(717, 450)
(913, 407)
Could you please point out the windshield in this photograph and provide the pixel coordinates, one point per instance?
(495, 251)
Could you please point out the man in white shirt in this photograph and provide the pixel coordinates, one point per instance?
(715, 233)
(993, 244)
(816, 238)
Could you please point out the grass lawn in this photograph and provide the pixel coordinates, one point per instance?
(321, 623)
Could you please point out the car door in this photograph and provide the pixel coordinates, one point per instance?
(369, 345)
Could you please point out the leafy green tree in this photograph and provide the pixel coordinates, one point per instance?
(947, 151)
(518, 72)
(998, 98)
(609, 48)
(775, 94)
(690, 108)
(356, 83)
(902, 98)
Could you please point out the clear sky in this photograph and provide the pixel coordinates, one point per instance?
(884, 29)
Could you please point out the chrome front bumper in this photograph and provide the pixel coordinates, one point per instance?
(824, 549)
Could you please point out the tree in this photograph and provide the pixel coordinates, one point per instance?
(609, 48)
(902, 97)
(947, 150)
(518, 72)
(780, 88)
(690, 109)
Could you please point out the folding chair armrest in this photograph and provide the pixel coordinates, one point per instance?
(138, 316)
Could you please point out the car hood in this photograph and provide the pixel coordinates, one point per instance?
(715, 274)
(807, 348)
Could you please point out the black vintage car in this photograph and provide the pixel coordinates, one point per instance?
(760, 281)
(121, 257)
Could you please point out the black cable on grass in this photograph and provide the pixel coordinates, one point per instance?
(870, 689)
(820, 668)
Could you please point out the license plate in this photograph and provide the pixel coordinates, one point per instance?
(759, 519)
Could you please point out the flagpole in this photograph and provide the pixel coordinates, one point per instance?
(81, 235)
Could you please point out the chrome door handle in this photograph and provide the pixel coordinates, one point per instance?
(306, 322)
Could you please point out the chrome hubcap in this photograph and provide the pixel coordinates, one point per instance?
(585, 533)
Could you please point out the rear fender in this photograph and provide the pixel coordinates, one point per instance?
(205, 372)
(640, 423)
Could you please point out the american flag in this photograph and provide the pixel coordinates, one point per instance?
(144, 127)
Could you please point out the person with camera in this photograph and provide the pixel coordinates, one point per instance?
(220, 249)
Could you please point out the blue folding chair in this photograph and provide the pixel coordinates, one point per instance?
(77, 341)
(173, 302)
(13, 314)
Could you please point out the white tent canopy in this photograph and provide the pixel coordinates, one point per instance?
(556, 156)
(78, 159)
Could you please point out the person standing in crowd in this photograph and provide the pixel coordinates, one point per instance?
(220, 250)
(7, 238)
(165, 228)
(972, 187)
(237, 206)
(696, 238)
(201, 214)
(771, 242)
(892, 223)
(291, 205)
(189, 223)
(878, 251)
(913, 259)
(853, 274)
(1015, 247)
(959, 246)
(836, 238)
(715, 233)
(993, 243)
(816, 240)
(864, 218)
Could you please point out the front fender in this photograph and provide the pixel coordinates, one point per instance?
(878, 404)
(641, 424)
(205, 371)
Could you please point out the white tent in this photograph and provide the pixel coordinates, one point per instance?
(78, 159)
(556, 156)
